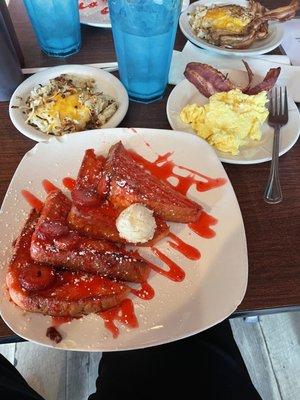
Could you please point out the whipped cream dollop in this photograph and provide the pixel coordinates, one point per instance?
(136, 224)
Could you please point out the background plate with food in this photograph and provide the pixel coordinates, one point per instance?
(215, 280)
(237, 28)
(96, 13)
(66, 99)
(254, 151)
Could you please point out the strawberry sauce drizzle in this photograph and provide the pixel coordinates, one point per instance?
(163, 168)
(175, 273)
(69, 183)
(203, 226)
(146, 291)
(58, 321)
(48, 186)
(123, 313)
(185, 249)
(32, 200)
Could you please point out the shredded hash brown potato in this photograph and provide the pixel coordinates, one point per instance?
(68, 103)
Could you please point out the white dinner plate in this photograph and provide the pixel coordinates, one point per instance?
(94, 13)
(272, 41)
(104, 82)
(213, 286)
(258, 151)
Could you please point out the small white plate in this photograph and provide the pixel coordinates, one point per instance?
(94, 13)
(104, 81)
(213, 286)
(272, 41)
(186, 93)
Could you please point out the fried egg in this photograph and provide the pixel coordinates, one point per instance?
(231, 19)
(229, 120)
(209, 22)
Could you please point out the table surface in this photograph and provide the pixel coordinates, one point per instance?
(272, 230)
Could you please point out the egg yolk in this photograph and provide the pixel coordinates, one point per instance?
(222, 19)
(69, 107)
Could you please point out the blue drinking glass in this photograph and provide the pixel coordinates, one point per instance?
(144, 34)
(56, 25)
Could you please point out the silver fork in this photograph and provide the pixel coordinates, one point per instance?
(278, 117)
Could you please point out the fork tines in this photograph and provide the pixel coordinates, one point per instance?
(278, 105)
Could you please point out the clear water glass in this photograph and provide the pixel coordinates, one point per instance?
(56, 25)
(144, 33)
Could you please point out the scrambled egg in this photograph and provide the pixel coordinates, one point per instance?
(223, 18)
(229, 120)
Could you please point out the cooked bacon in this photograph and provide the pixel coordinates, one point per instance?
(282, 13)
(207, 79)
(268, 82)
(257, 29)
(250, 76)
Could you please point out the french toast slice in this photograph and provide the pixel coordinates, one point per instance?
(91, 214)
(54, 243)
(43, 289)
(85, 192)
(100, 223)
(130, 182)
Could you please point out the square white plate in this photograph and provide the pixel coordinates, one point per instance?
(213, 286)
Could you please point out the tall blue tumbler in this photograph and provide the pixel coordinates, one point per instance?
(56, 25)
(144, 34)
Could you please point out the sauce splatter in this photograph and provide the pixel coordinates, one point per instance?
(123, 313)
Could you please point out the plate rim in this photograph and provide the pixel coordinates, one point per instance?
(43, 137)
(219, 154)
(229, 52)
(243, 243)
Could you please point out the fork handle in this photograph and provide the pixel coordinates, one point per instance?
(273, 193)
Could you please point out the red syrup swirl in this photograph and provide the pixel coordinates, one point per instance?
(175, 273)
(185, 249)
(123, 313)
(146, 291)
(202, 227)
(163, 168)
(69, 183)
